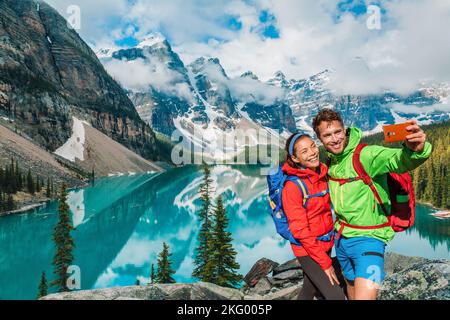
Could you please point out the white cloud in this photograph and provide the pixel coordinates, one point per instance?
(96, 18)
(243, 89)
(249, 90)
(139, 74)
(412, 109)
(412, 46)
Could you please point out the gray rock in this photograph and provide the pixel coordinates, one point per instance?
(253, 297)
(209, 291)
(131, 292)
(396, 262)
(259, 270)
(290, 275)
(176, 291)
(262, 287)
(426, 280)
(289, 265)
(289, 293)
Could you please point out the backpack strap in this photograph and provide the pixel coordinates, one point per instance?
(303, 188)
(362, 174)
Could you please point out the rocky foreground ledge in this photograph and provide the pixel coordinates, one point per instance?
(408, 278)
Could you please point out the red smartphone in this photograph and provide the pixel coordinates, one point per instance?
(395, 132)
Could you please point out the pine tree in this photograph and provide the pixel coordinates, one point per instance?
(42, 286)
(152, 273)
(222, 264)
(12, 182)
(10, 203)
(47, 193)
(19, 177)
(38, 185)
(64, 244)
(164, 272)
(204, 236)
(30, 183)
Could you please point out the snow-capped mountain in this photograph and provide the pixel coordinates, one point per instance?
(200, 99)
(368, 112)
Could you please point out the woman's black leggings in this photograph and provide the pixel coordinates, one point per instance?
(316, 283)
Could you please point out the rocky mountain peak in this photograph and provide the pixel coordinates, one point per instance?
(279, 80)
(56, 75)
(204, 65)
(250, 75)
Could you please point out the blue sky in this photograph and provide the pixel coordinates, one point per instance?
(299, 37)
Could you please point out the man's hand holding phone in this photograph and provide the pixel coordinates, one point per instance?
(416, 138)
(409, 132)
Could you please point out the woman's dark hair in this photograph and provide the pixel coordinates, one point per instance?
(288, 143)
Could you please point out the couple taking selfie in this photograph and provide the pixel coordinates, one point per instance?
(356, 183)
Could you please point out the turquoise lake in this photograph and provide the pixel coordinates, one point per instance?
(121, 223)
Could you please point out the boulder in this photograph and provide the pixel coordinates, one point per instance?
(259, 270)
(177, 291)
(394, 262)
(426, 280)
(293, 264)
(121, 293)
(289, 275)
(262, 287)
(289, 293)
(210, 291)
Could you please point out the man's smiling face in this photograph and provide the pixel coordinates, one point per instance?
(332, 135)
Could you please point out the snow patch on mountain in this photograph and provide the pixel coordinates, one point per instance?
(150, 40)
(74, 146)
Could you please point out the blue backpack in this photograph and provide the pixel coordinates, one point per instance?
(276, 180)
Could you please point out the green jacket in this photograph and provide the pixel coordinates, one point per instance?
(354, 202)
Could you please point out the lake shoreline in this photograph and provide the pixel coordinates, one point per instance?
(30, 207)
(27, 208)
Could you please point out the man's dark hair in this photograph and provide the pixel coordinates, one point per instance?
(326, 115)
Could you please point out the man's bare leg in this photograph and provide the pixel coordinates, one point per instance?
(365, 289)
(350, 289)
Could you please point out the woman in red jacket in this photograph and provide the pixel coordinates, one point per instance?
(309, 221)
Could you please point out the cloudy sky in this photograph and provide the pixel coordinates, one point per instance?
(299, 37)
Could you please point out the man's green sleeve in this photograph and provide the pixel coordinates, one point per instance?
(379, 160)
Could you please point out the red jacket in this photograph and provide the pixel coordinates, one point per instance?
(316, 220)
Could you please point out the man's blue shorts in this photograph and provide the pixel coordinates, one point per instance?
(361, 257)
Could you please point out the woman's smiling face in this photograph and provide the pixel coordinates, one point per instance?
(306, 153)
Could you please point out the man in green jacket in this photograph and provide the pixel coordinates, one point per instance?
(361, 252)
